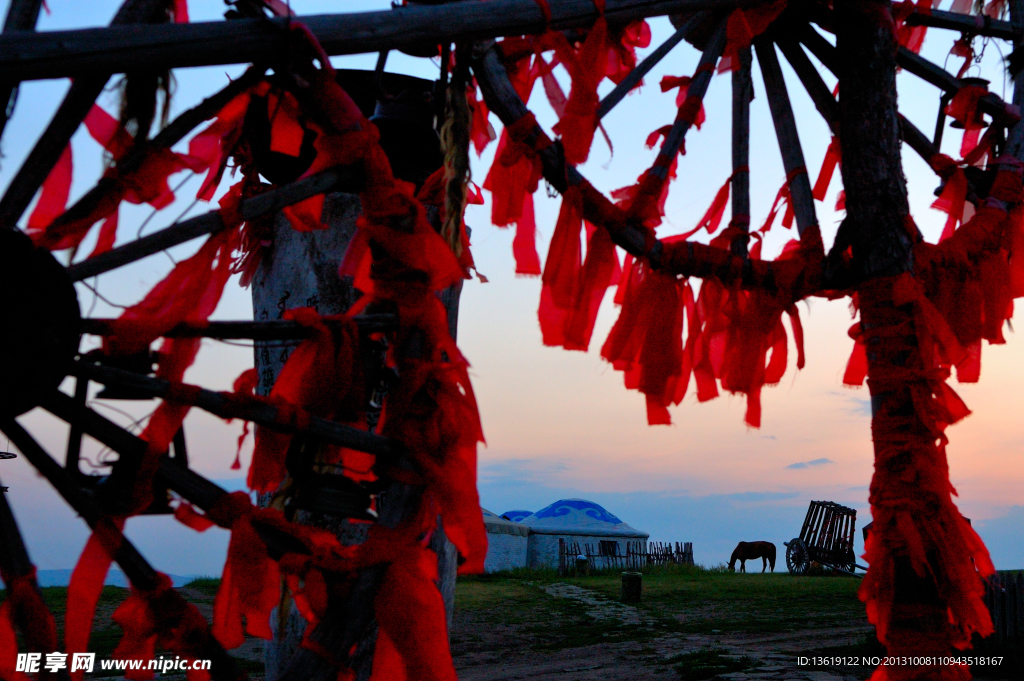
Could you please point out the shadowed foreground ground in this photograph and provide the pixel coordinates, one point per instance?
(693, 624)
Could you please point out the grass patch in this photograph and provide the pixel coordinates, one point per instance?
(208, 586)
(56, 598)
(700, 599)
(499, 595)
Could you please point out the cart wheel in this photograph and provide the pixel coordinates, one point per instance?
(797, 559)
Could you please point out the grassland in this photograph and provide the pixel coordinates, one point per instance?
(692, 624)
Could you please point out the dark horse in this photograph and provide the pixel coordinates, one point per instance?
(748, 550)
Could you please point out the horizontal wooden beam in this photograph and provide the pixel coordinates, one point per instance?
(970, 24)
(261, 331)
(991, 103)
(61, 54)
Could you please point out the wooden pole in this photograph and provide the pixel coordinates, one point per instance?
(14, 560)
(823, 100)
(60, 54)
(644, 67)
(991, 103)
(970, 24)
(263, 414)
(789, 141)
(135, 567)
(165, 139)
(673, 141)
(22, 15)
(212, 222)
(742, 94)
(80, 98)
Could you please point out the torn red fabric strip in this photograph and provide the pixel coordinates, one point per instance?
(524, 245)
(53, 198)
(86, 584)
(828, 167)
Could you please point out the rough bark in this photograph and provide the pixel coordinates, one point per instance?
(876, 190)
(301, 270)
(876, 201)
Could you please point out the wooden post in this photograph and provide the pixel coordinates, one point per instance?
(301, 271)
(876, 202)
(632, 587)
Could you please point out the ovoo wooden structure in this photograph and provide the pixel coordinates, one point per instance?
(372, 602)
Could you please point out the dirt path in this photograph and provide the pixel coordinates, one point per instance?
(538, 644)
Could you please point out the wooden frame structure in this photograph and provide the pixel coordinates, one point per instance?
(826, 538)
(83, 54)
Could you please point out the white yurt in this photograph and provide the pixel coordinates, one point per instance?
(579, 521)
(506, 543)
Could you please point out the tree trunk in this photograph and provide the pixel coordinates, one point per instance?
(911, 564)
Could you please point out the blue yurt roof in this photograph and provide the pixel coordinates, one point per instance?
(579, 516)
(516, 516)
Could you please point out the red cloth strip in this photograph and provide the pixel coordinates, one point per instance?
(53, 198)
(86, 584)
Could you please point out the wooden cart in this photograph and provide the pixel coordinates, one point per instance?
(826, 538)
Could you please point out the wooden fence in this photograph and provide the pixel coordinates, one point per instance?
(1004, 596)
(573, 559)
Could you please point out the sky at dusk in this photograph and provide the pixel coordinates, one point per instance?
(561, 424)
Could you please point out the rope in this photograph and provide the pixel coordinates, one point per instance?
(455, 144)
